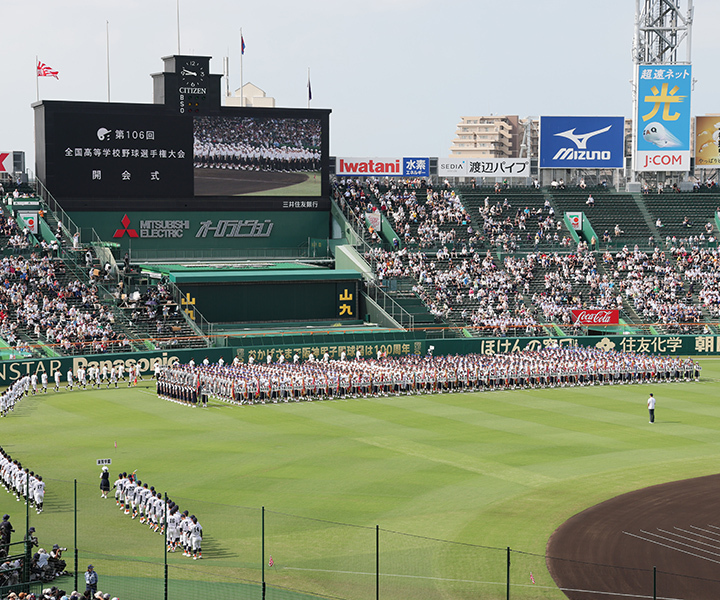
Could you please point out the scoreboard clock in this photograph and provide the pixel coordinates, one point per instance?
(192, 78)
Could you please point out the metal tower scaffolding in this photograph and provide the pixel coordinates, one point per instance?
(662, 28)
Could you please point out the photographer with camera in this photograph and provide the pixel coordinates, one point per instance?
(56, 561)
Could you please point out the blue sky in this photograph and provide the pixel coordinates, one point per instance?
(397, 74)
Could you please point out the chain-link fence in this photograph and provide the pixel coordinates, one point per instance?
(256, 553)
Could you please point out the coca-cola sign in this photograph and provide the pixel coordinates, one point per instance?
(596, 317)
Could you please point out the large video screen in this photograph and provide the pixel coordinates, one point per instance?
(240, 156)
(113, 153)
(99, 156)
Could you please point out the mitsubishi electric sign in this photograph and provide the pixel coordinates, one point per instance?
(582, 142)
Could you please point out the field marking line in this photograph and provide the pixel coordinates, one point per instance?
(671, 547)
(677, 542)
(705, 530)
(682, 537)
(695, 534)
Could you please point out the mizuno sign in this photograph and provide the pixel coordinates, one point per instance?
(584, 142)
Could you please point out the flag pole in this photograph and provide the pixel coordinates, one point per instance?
(178, 23)
(242, 95)
(107, 53)
(226, 69)
(37, 80)
(309, 93)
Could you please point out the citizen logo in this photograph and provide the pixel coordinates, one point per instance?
(193, 90)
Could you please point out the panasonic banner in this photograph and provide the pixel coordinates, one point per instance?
(582, 142)
(662, 122)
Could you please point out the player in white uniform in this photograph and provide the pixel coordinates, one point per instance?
(118, 485)
(58, 377)
(113, 378)
(173, 535)
(44, 381)
(82, 377)
(39, 493)
(196, 538)
(33, 383)
(69, 380)
(184, 533)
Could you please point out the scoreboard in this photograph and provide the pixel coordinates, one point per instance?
(184, 151)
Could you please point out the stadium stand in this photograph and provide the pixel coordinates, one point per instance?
(450, 264)
(609, 211)
(52, 306)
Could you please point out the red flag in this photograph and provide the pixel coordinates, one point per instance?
(44, 70)
(116, 445)
(531, 577)
(271, 562)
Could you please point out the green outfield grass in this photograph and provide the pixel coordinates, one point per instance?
(487, 469)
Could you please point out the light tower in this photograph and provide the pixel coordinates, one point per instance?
(662, 38)
(663, 29)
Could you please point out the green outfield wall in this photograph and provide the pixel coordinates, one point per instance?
(681, 345)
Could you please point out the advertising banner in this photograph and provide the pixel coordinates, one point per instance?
(383, 167)
(6, 162)
(671, 345)
(707, 142)
(596, 317)
(662, 122)
(31, 220)
(374, 220)
(582, 142)
(190, 231)
(483, 167)
(576, 220)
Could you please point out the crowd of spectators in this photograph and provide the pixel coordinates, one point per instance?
(55, 593)
(506, 228)
(259, 144)
(155, 313)
(68, 315)
(460, 281)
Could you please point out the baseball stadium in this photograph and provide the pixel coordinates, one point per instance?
(235, 365)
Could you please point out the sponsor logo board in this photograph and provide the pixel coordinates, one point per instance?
(483, 167)
(576, 220)
(6, 162)
(383, 167)
(707, 141)
(31, 220)
(582, 142)
(662, 122)
(596, 317)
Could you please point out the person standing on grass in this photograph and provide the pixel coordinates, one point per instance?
(91, 580)
(104, 482)
(651, 408)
